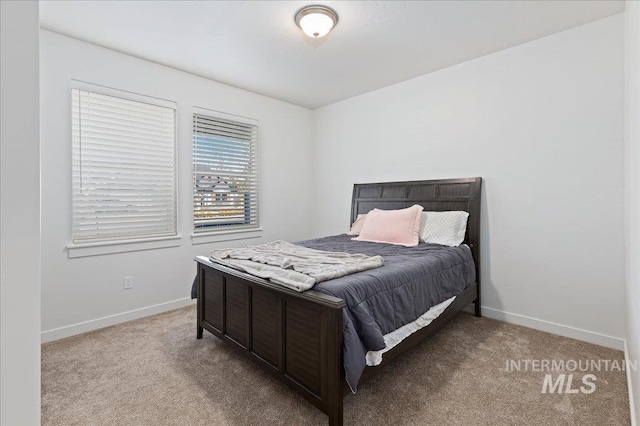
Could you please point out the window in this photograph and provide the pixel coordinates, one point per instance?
(124, 166)
(225, 172)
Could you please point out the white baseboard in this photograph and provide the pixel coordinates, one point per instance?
(632, 407)
(83, 327)
(555, 328)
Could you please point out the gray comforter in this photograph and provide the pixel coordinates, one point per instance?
(381, 300)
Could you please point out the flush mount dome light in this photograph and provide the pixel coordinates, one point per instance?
(316, 21)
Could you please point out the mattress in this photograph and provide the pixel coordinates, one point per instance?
(382, 300)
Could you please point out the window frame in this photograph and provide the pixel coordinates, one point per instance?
(225, 232)
(120, 245)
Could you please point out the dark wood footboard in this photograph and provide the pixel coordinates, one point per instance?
(297, 337)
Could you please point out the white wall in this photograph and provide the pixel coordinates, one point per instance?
(89, 288)
(632, 184)
(19, 215)
(542, 123)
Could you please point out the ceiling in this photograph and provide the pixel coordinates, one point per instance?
(257, 46)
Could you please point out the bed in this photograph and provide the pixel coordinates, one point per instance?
(299, 337)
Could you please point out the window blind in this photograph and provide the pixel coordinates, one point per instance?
(225, 173)
(124, 168)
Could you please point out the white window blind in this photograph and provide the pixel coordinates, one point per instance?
(225, 172)
(124, 168)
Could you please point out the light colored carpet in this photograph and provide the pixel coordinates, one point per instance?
(153, 371)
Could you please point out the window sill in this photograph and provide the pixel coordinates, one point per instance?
(110, 247)
(218, 236)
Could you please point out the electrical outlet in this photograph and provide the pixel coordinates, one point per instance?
(128, 283)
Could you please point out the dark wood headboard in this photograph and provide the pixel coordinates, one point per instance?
(433, 195)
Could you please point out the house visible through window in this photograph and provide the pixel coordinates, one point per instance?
(124, 166)
(225, 172)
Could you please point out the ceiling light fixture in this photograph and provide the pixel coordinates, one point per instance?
(316, 21)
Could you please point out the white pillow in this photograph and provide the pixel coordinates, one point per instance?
(446, 228)
(356, 227)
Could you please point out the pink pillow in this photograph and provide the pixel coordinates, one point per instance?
(401, 227)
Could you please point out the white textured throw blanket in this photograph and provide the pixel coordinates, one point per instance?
(292, 266)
